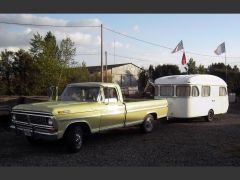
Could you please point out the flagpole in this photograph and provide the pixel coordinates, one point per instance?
(226, 65)
(185, 64)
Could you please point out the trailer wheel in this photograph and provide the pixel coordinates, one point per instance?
(210, 116)
(147, 125)
(73, 139)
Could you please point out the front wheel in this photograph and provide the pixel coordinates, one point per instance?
(147, 125)
(73, 139)
(210, 116)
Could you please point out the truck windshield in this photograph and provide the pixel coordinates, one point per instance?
(80, 93)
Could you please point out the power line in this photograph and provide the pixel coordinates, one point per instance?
(159, 45)
(88, 54)
(114, 31)
(45, 25)
(133, 58)
(144, 60)
(137, 39)
(126, 57)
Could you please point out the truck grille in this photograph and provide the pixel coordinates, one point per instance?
(41, 120)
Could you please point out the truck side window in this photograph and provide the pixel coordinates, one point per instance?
(222, 91)
(205, 91)
(183, 91)
(110, 94)
(195, 91)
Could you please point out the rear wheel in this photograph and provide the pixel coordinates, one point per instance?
(73, 139)
(147, 125)
(210, 116)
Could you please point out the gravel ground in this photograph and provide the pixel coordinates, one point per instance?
(176, 143)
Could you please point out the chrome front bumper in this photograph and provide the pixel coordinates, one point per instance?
(38, 132)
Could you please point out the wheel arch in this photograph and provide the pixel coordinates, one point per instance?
(84, 125)
(154, 114)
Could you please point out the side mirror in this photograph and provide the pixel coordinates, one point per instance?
(51, 91)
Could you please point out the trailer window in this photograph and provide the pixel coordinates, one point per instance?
(183, 91)
(205, 91)
(166, 91)
(195, 91)
(222, 91)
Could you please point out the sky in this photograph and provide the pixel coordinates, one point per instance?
(200, 33)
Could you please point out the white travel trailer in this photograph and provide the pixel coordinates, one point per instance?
(191, 96)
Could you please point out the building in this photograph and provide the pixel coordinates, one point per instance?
(126, 75)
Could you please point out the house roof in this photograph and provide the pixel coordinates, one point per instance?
(110, 66)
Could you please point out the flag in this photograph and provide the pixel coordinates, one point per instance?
(178, 47)
(184, 60)
(220, 49)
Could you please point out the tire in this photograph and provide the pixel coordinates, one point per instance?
(73, 139)
(210, 116)
(147, 125)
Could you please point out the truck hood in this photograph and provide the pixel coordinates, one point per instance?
(57, 107)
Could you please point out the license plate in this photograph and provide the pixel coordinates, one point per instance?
(27, 132)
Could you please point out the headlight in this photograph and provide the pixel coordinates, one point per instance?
(50, 121)
(13, 117)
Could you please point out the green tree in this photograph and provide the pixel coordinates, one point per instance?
(151, 73)
(143, 78)
(191, 67)
(36, 46)
(79, 74)
(233, 75)
(51, 49)
(201, 69)
(25, 73)
(67, 52)
(235, 68)
(45, 53)
(166, 70)
(6, 71)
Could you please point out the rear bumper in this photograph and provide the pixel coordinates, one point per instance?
(35, 132)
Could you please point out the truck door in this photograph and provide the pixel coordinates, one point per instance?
(112, 111)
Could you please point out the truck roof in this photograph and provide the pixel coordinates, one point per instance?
(191, 79)
(92, 84)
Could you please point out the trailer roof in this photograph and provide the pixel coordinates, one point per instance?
(191, 79)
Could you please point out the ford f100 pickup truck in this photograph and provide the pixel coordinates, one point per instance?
(84, 108)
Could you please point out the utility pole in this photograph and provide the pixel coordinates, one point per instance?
(106, 66)
(102, 52)
(114, 50)
(226, 67)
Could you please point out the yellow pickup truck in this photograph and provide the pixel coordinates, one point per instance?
(85, 108)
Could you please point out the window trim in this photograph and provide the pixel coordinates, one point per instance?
(197, 90)
(156, 90)
(209, 90)
(108, 89)
(224, 91)
(179, 85)
(170, 85)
